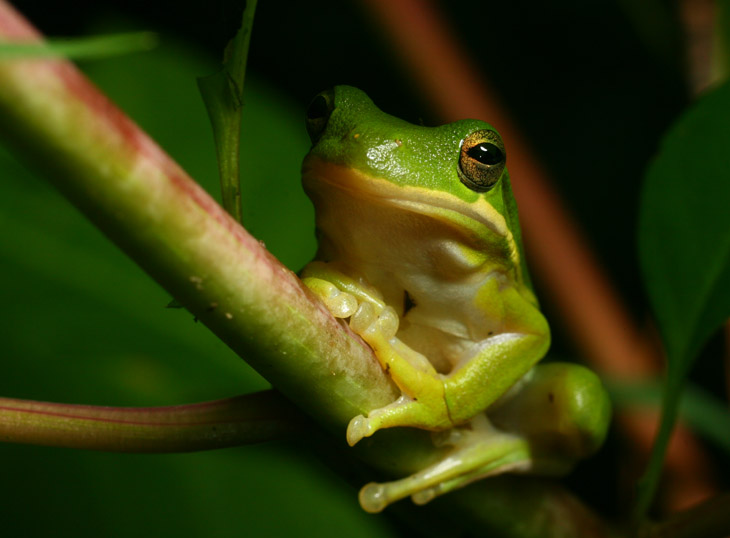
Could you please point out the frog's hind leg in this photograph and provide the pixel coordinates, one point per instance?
(561, 408)
(555, 415)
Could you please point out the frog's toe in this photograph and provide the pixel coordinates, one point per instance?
(358, 428)
(425, 496)
(386, 325)
(363, 317)
(373, 497)
(340, 304)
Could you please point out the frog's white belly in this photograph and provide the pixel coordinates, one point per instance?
(425, 267)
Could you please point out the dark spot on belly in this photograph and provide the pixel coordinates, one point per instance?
(408, 302)
(551, 397)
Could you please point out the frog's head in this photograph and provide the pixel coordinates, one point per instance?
(455, 173)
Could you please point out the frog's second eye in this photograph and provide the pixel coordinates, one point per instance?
(482, 160)
(318, 114)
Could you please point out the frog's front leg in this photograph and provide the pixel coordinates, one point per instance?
(423, 403)
(498, 361)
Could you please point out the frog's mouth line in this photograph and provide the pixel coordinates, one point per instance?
(474, 217)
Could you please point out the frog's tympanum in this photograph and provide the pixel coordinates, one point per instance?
(419, 246)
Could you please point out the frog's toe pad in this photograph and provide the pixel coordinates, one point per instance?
(341, 304)
(358, 428)
(364, 317)
(370, 323)
(373, 498)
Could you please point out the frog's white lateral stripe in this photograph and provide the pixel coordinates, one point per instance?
(415, 199)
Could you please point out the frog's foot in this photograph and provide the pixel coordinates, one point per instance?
(341, 304)
(480, 451)
(326, 281)
(402, 411)
(422, 403)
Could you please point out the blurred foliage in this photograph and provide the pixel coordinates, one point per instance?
(684, 246)
(684, 229)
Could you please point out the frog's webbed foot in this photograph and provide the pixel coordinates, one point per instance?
(479, 450)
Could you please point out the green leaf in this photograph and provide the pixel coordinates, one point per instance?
(223, 96)
(684, 248)
(83, 48)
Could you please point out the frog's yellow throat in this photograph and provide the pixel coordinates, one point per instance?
(473, 217)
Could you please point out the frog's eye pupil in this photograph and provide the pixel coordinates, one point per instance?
(486, 153)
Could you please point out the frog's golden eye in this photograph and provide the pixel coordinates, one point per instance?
(318, 114)
(482, 160)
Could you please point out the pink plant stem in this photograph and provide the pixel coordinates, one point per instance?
(203, 426)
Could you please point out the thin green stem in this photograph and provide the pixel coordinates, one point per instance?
(223, 96)
(649, 482)
(247, 419)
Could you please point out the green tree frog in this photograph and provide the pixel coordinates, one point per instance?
(420, 248)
